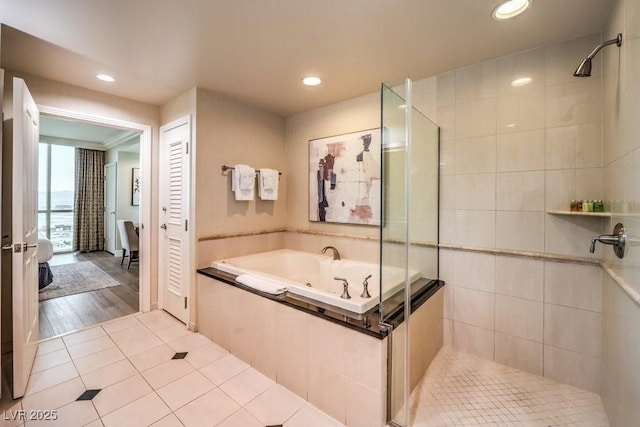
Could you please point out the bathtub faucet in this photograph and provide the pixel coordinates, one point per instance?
(345, 288)
(336, 254)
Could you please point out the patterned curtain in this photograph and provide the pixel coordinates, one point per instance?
(88, 219)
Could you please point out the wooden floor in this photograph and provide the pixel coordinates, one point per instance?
(73, 312)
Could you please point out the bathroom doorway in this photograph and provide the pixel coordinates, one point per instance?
(93, 285)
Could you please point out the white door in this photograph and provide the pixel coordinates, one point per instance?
(174, 261)
(25, 234)
(110, 190)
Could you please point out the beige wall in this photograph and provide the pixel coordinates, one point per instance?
(509, 155)
(72, 98)
(125, 161)
(229, 132)
(621, 310)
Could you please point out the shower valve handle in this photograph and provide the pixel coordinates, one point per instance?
(345, 288)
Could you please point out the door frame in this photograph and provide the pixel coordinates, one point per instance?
(145, 219)
(106, 212)
(192, 273)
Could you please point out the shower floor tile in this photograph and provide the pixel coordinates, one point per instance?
(461, 389)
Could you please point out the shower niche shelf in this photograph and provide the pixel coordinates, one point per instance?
(592, 214)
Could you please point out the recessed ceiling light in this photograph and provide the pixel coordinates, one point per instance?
(105, 78)
(523, 81)
(311, 81)
(510, 8)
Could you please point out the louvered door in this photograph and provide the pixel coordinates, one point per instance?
(174, 261)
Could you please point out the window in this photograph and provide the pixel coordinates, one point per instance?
(56, 182)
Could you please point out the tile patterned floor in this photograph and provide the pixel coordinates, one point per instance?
(147, 369)
(460, 389)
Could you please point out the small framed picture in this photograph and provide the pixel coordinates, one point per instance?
(135, 187)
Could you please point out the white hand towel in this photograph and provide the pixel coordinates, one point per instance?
(262, 284)
(243, 182)
(268, 184)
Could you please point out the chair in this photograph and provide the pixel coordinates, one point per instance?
(129, 240)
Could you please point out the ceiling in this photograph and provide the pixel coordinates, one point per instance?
(257, 51)
(69, 132)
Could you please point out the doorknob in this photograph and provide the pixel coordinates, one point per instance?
(163, 226)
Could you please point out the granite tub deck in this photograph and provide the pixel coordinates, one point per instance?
(334, 359)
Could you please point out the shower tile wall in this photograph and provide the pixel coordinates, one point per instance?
(508, 155)
(621, 315)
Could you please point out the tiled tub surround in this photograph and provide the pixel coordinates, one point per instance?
(339, 369)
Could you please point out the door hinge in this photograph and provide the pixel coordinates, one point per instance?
(185, 303)
(186, 225)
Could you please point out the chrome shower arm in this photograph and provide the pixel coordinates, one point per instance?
(617, 41)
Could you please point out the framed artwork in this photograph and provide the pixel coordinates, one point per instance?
(344, 178)
(135, 187)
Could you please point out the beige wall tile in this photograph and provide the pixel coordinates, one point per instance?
(520, 277)
(291, 370)
(589, 184)
(475, 155)
(574, 103)
(520, 230)
(364, 407)
(520, 191)
(572, 368)
(474, 340)
(475, 119)
(475, 228)
(521, 151)
(474, 271)
(475, 191)
(560, 189)
(476, 82)
(571, 236)
(519, 112)
(572, 329)
(327, 390)
(473, 307)
(520, 318)
(446, 89)
(519, 353)
(573, 285)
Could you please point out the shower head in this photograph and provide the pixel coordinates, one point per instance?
(584, 69)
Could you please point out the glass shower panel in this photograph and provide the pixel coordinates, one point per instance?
(409, 231)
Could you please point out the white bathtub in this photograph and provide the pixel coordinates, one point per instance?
(312, 276)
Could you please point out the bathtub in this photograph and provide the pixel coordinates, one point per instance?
(312, 276)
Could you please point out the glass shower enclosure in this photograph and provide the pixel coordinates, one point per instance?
(409, 230)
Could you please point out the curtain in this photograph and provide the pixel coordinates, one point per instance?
(88, 219)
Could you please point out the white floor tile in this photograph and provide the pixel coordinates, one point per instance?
(89, 347)
(310, 416)
(240, 418)
(167, 372)
(184, 390)
(142, 412)
(173, 333)
(275, 406)
(120, 394)
(206, 354)
(120, 324)
(50, 360)
(169, 421)
(12, 414)
(82, 336)
(207, 410)
(158, 320)
(189, 342)
(96, 423)
(246, 386)
(104, 377)
(137, 346)
(48, 346)
(134, 333)
(152, 357)
(224, 369)
(75, 414)
(54, 397)
(98, 360)
(45, 379)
